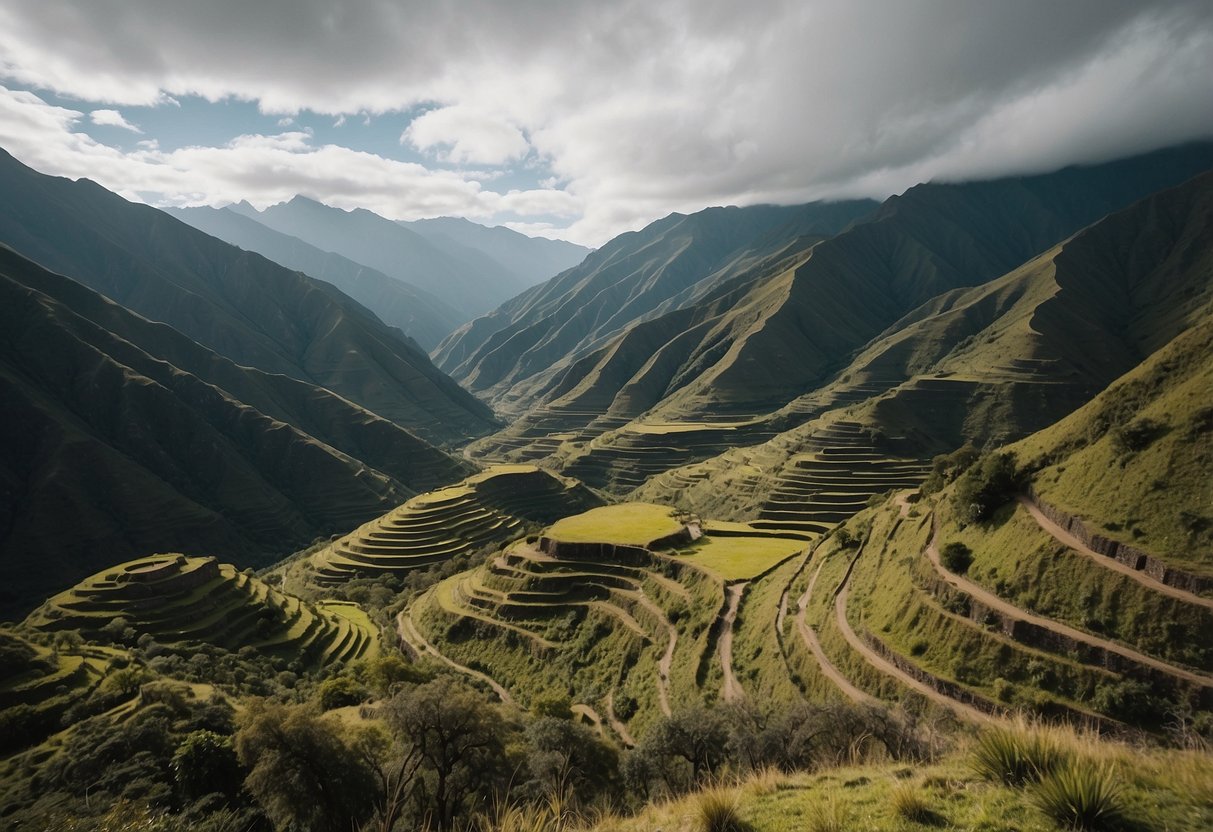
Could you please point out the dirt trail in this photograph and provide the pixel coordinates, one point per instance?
(731, 690)
(616, 725)
(588, 712)
(667, 660)
(409, 633)
(809, 637)
(994, 602)
(889, 669)
(1067, 539)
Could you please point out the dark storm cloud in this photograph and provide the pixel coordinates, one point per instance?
(639, 108)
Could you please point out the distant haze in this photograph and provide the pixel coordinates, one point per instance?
(583, 119)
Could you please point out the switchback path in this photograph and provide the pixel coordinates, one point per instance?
(731, 690)
(408, 632)
(1068, 540)
(809, 637)
(995, 602)
(889, 669)
(667, 660)
(616, 724)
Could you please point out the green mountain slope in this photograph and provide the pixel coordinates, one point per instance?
(988, 364)
(747, 350)
(124, 437)
(237, 303)
(420, 315)
(512, 354)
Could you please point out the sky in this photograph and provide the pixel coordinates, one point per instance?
(582, 119)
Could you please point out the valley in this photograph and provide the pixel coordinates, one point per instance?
(906, 477)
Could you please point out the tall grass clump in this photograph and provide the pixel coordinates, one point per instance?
(716, 810)
(908, 802)
(828, 814)
(1080, 795)
(1018, 754)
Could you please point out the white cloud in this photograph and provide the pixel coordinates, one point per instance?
(636, 108)
(263, 169)
(340, 122)
(112, 118)
(470, 136)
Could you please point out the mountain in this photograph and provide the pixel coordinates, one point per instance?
(532, 259)
(124, 437)
(985, 365)
(700, 378)
(467, 280)
(420, 315)
(237, 303)
(513, 353)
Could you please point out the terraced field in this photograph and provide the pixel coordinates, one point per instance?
(493, 506)
(181, 601)
(627, 609)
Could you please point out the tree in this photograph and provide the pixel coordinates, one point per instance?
(205, 763)
(566, 759)
(458, 738)
(340, 691)
(302, 768)
(685, 749)
(986, 486)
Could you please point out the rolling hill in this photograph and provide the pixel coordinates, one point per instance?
(417, 313)
(124, 437)
(237, 303)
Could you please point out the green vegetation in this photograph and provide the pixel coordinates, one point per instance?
(634, 524)
(739, 558)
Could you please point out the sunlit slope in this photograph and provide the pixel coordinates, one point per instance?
(181, 601)
(493, 506)
(773, 342)
(668, 265)
(629, 610)
(988, 364)
(125, 437)
(237, 303)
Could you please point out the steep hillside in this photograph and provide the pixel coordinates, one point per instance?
(184, 601)
(464, 278)
(237, 303)
(488, 508)
(672, 263)
(420, 315)
(124, 437)
(988, 364)
(532, 259)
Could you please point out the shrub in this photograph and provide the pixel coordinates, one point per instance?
(341, 691)
(716, 810)
(957, 557)
(1080, 795)
(1016, 755)
(986, 486)
(1136, 436)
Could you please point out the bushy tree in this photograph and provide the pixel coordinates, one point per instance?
(205, 763)
(986, 486)
(683, 750)
(459, 738)
(303, 771)
(569, 760)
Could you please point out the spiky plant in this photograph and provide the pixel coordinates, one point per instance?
(1080, 795)
(1017, 754)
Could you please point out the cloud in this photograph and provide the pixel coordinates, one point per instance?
(471, 137)
(112, 118)
(642, 107)
(263, 169)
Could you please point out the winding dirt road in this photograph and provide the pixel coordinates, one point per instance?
(408, 632)
(616, 724)
(731, 690)
(995, 602)
(1070, 541)
(667, 660)
(809, 637)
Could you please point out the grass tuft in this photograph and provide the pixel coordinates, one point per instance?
(908, 802)
(1018, 754)
(717, 810)
(829, 814)
(1081, 795)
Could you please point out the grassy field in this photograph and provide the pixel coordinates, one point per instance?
(740, 558)
(632, 524)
